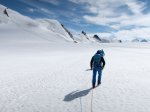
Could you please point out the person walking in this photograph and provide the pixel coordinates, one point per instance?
(97, 64)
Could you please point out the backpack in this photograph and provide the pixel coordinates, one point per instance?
(97, 60)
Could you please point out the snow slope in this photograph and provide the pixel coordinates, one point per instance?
(81, 38)
(28, 29)
(43, 29)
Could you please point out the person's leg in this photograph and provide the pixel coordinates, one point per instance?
(94, 77)
(99, 75)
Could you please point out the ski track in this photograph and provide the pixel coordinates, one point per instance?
(59, 82)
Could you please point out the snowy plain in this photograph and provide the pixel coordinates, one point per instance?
(42, 70)
(54, 78)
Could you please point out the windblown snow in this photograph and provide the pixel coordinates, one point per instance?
(40, 71)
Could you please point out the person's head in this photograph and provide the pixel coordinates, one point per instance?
(98, 52)
(101, 52)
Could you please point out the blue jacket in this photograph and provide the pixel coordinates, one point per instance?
(101, 63)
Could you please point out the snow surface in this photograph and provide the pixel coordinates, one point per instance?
(41, 72)
(47, 77)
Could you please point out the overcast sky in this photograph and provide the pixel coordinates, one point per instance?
(124, 19)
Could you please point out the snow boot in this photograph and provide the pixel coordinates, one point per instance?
(99, 82)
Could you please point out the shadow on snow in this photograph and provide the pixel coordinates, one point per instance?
(76, 94)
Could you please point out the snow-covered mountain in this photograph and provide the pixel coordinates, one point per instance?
(82, 38)
(85, 38)
(102, 39)
(29, 30)
(35, 30)
(37, 75)
(140, 40)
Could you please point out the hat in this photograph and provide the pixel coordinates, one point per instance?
(101, 52)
